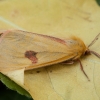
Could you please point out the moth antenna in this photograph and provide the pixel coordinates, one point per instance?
(83, 69)
(96, 38)
(96, 54)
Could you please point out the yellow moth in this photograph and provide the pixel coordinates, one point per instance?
(21, 49)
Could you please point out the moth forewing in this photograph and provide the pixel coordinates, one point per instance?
(15, 43)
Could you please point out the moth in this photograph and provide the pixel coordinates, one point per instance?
(20, 49)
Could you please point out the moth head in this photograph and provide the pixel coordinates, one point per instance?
(88, 51)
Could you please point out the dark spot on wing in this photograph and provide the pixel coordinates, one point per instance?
(32, 56)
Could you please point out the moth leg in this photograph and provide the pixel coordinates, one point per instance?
(68, 62)
(83, 69)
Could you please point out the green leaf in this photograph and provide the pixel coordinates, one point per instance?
(13, 86)
(98, 1)
(8, 94)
